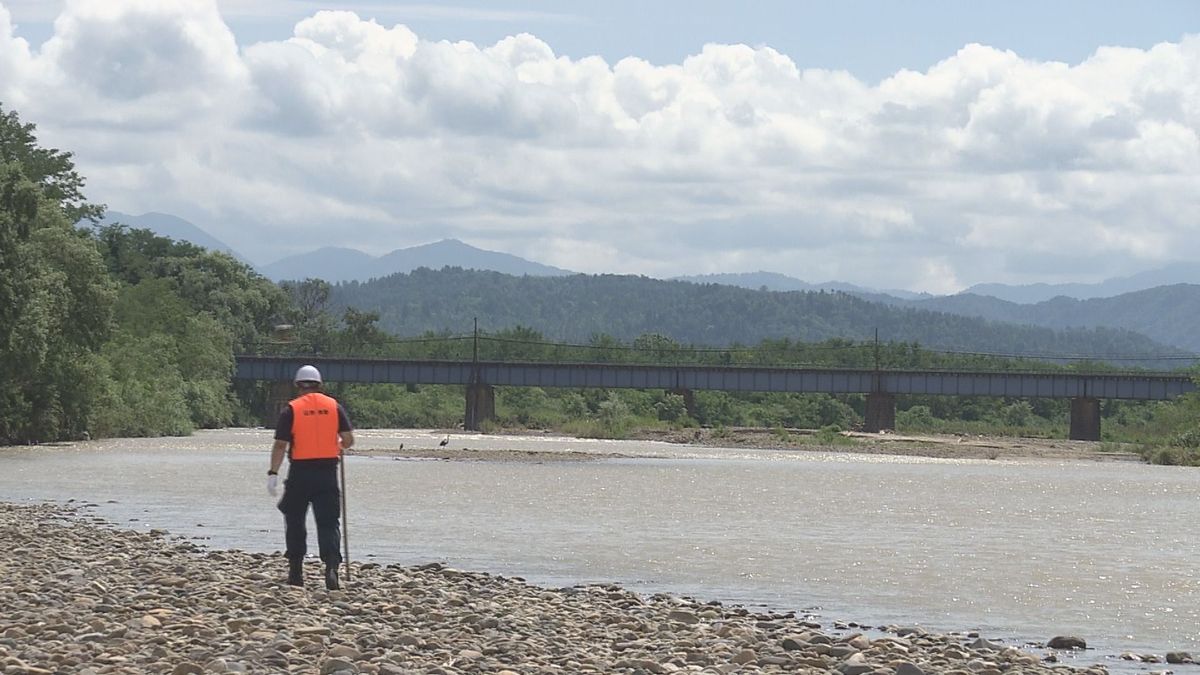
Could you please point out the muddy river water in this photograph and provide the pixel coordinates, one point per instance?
(1020, 550)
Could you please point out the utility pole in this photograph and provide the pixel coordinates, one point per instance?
(876, 349)
(471, 418)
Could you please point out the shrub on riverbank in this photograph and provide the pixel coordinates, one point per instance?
(829, 435)
(1171, 455)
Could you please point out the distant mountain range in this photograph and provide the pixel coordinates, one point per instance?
(1167, 314)
(1162, 304)
(344, 264)
(335, 264)
(1178, 273)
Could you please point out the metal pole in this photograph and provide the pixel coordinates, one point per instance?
(876, 379)
(876, 349)
(345, 521)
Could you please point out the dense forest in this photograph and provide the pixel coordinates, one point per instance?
(574, 308)
(111, 331)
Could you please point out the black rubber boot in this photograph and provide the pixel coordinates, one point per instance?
(331, 578)
(295, 572)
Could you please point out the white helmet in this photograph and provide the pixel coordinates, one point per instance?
(307, 374)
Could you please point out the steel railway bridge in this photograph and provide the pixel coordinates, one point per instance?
(1085, 390)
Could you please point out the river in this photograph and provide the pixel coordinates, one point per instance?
(1020, 550)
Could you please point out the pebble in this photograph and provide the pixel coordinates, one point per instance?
(87, 597)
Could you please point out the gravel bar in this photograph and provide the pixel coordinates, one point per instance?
(78, 595)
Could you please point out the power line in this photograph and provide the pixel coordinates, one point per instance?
(794, 348)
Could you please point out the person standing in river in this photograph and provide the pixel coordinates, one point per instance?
(313, 430)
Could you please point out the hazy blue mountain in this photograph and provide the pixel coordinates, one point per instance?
(773, 281)
(1166, 314)
(575, 308)
(1179, 273)
(342, 264)
(174, 227)
(331, 263)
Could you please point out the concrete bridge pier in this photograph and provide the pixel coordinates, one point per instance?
(689, 400)
(278, 395)
(1085, 419)
(481, 405)
(881, 413)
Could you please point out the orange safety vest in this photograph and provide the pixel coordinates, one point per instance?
(314, 427)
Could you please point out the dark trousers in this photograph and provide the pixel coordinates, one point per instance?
(312, 482)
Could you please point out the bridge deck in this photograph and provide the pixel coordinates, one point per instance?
(1144, 386)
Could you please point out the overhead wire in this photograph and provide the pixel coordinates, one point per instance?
(796, 348)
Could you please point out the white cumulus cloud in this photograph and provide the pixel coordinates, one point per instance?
(986, 167)
(16, 62)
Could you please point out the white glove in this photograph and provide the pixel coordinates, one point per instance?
(272, 485)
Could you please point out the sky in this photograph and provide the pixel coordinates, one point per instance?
(925, 146)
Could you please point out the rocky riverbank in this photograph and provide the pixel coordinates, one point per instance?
(80, 596)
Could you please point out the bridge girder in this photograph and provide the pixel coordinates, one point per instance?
(1084, 389)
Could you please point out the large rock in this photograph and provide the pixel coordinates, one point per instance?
(743, 657)
(338, 666)
(856, 664)
(1066, 642)
(683, 616)
(792, 644)
(859, 642)
(987, 645)
(639, 664)
(344, 652)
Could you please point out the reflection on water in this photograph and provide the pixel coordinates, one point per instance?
(1018, 550)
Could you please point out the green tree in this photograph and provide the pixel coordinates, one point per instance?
(195, 348)
(613, 416)
(656, 347)
(917, 417)
(573, 405)
(55, 300)
(1016, 414)
(525, 406)
(361, 335)
(50, 169)
(246, 304)
(309, 315)
(144, 393)
(671, 408)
